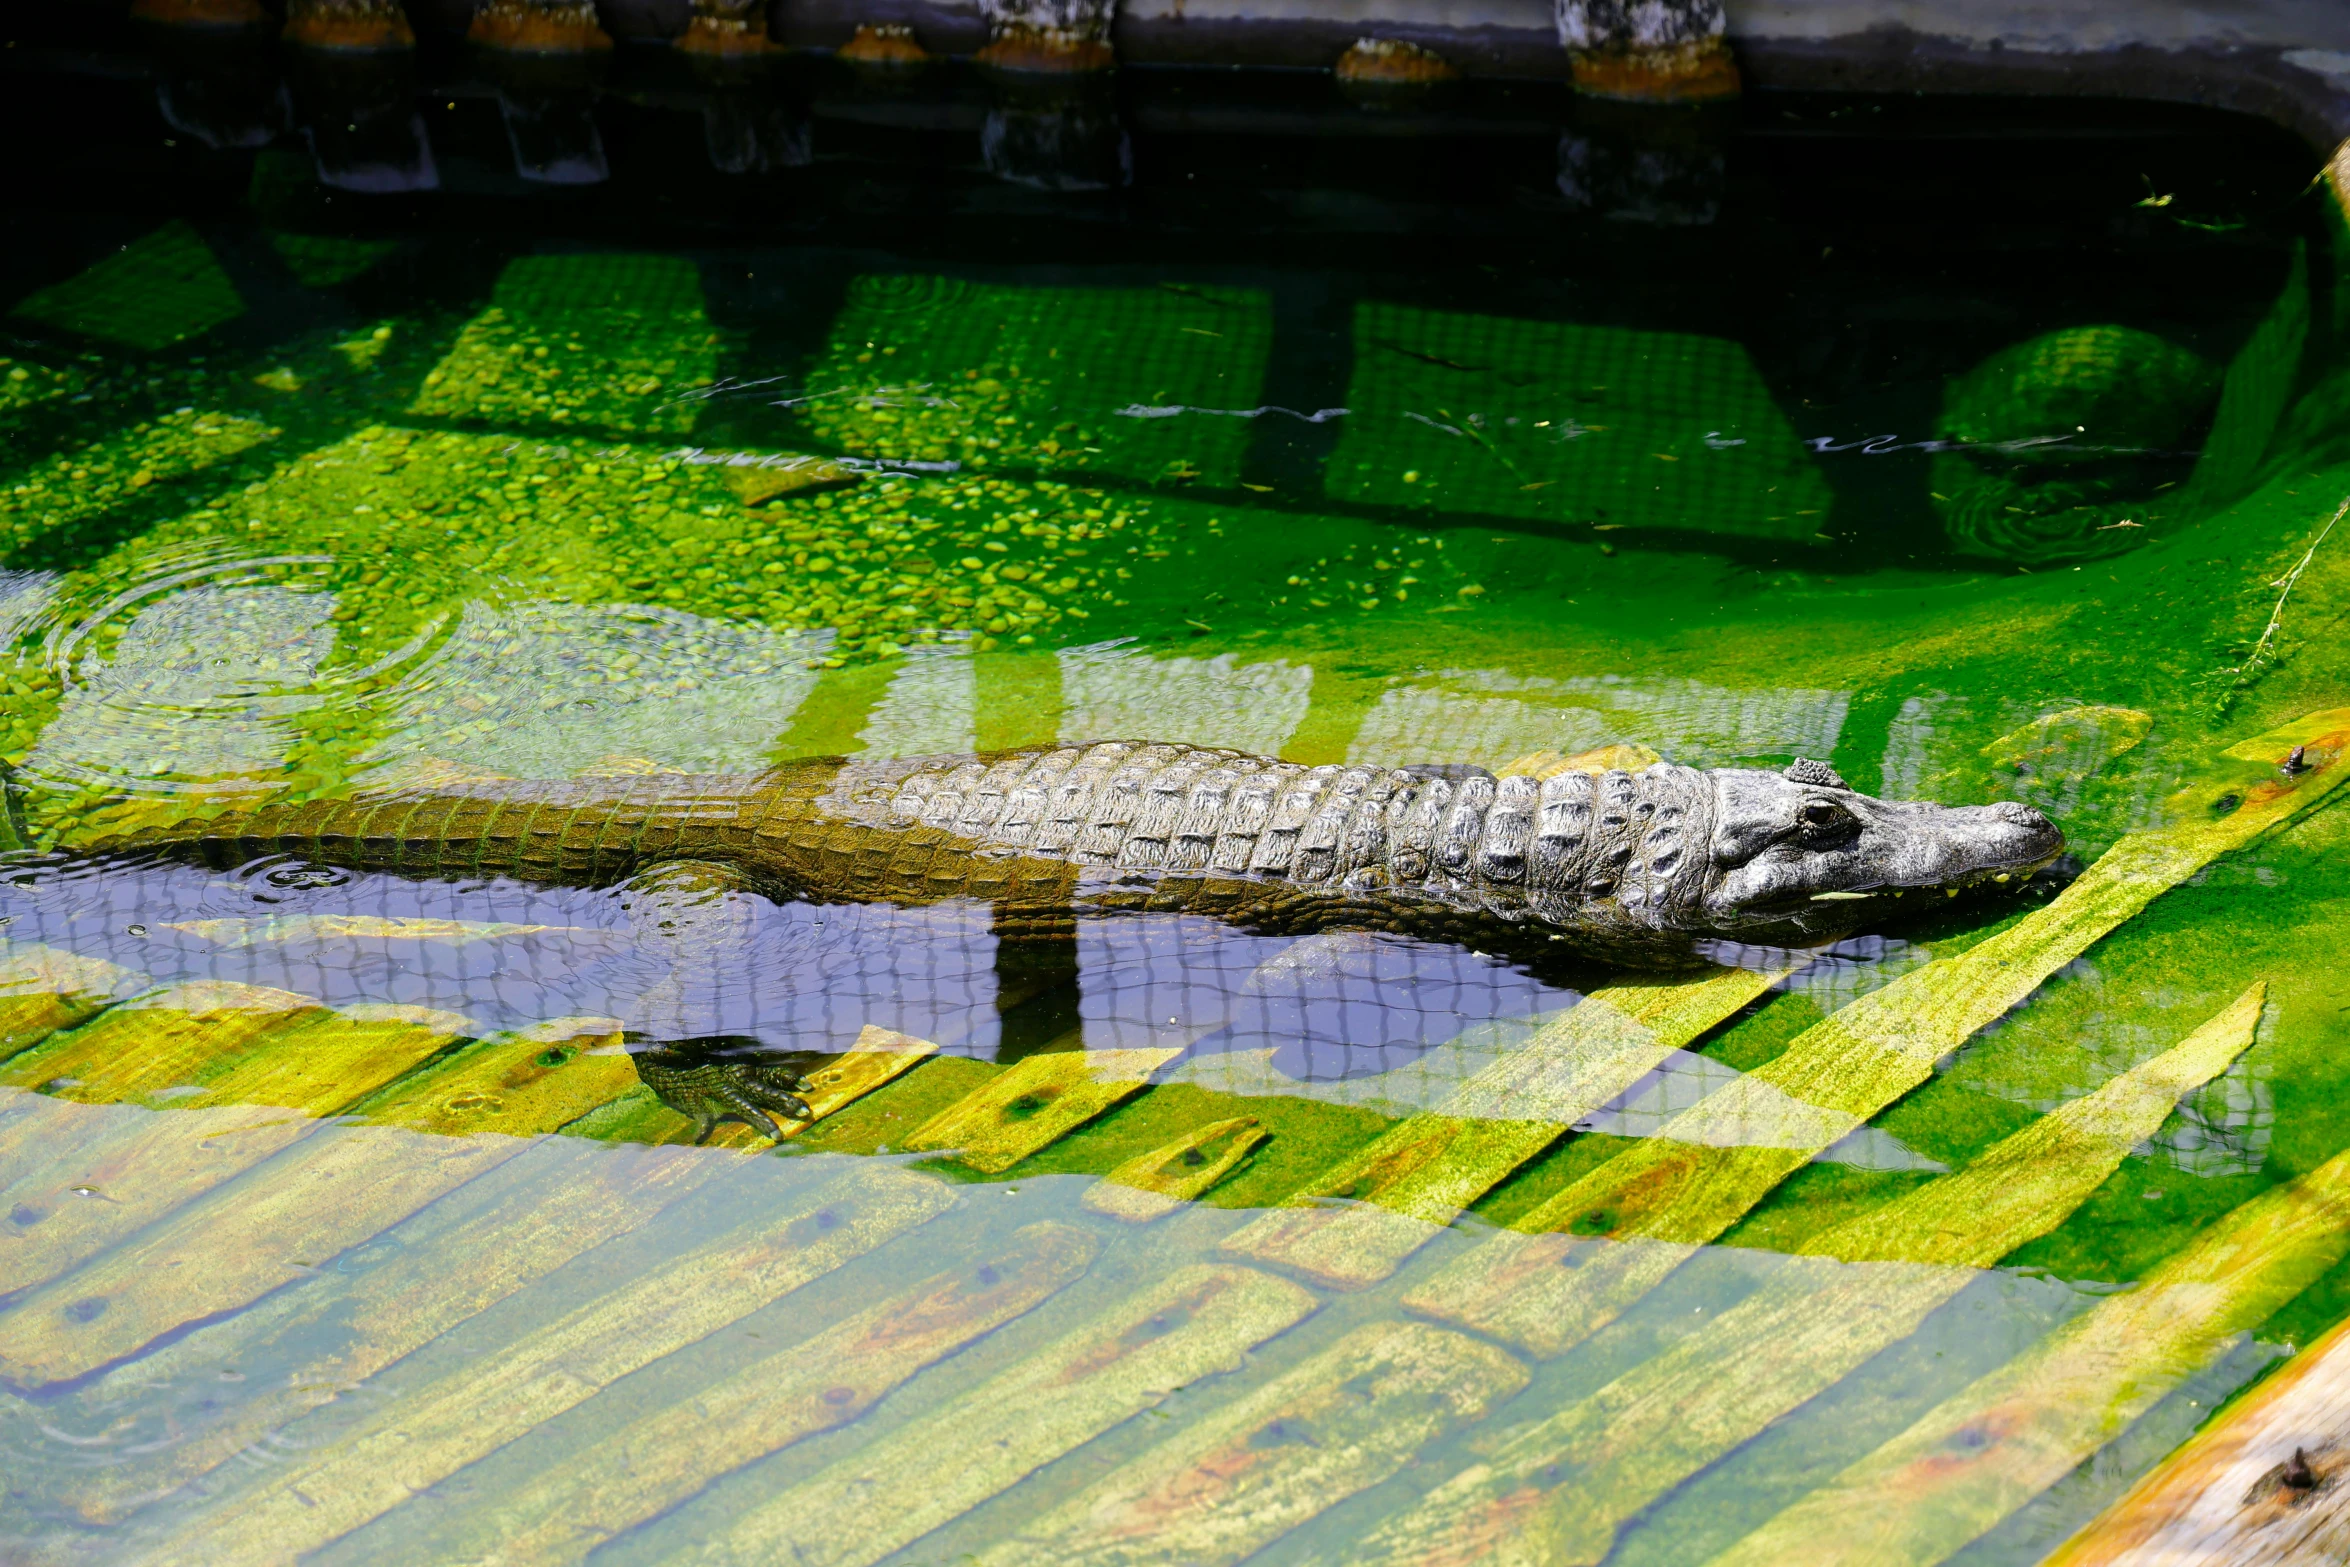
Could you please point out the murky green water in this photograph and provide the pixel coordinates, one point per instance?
(1965, 448)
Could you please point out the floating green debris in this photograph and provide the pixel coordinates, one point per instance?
(67, 487)
(584, 343)
(157, 291)
(1146, 384)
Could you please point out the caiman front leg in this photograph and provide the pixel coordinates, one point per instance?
(682, 914)
(707, 1089)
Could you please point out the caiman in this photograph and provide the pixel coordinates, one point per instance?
(1630, 869)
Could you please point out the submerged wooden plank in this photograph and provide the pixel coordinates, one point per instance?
(422, 1439)
(1557, 1490)
(1992, 1447)
(44, 990)
(1193, 1324)
(524, 1082)
(880, 1056)
(1225, 1487)
(2261, 1486)
(309, 1059)
(1709, 1166)
(640, 1469)
(1034, 1102)
(80, 1178)
(554, 1201)
(1152, 1185)
(159, 1040)
(273, 1224)
(1358, 1224)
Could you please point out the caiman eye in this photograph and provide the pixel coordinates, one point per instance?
(1823, 820)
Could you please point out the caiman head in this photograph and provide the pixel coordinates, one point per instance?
(1800, 853)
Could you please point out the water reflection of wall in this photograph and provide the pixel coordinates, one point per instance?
(931, 705)
(1687, 721)
(202, 685)
(544, 690)
(1112, 692)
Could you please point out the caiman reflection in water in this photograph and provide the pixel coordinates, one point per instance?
(1628, 869)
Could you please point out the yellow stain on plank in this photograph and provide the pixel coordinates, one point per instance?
(422, 1439)
(1154, 1184)
(1989, 1449)
(1190, 1325)
(1034, 1102)
(80, 1178)
(495, 1236)
(629, 1474)
(1710, 1165)
(368, 927)
(521, 1083)
(1422, 1173)
(1557, 1490)
(1623, 756)
(1245, 1474)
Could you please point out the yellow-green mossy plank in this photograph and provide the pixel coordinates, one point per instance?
(488, 1240)
(80, 1178)
(2026, 1184)
(273, 1224)
(1221, 1489)
(1463, 413)
(523, 1082)
(161, 1040)
(44, 990)
(587, 342)
(632, 1473)
(1556, 1491)
(1991, 1448)
(1034, 1102)
(420, 1440)
(938, 369)
(154, 292)
(1357, 1225)
(880, 1056)
(1711, 1164)
(1193, 1324)
(315, 1063)
(1153, 1185)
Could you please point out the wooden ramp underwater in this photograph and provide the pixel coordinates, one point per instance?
(510, 1313)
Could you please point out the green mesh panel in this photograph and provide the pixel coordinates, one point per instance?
(323, 260)
(581, 343)
(933, 369)
(155, 292)
(1568, 423)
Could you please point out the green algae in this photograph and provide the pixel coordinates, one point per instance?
(160, 289)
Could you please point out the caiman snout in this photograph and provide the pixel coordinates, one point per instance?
(2019, 836)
